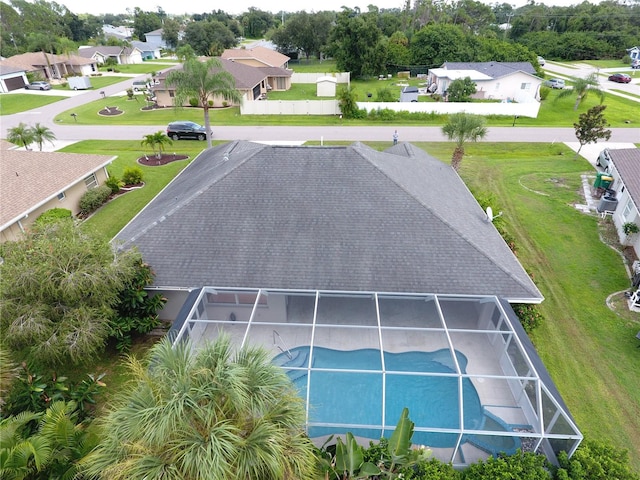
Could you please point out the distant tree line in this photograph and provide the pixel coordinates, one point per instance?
(422, 34)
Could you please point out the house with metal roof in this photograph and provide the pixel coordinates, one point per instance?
(33, 182)
(509, 81)
(368, 275)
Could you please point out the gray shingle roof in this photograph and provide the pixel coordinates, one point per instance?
(627, 162)
(493, 69)
(335, 218)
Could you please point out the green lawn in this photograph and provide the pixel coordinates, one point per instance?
(96, 82)
(313, 65)
(140, 68)
(603, 63)
(21, 102)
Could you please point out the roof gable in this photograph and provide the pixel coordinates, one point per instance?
(270, 58)
(339, 218)
(29, 178)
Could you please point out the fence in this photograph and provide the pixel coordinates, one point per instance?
(342, 77)
(290, 107)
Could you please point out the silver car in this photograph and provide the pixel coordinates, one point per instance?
(38, 86)
(555, 83)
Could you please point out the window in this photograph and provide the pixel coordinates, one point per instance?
(91, 181)
(281, 83)
(172, 93)
(627, 212)
(61, 196)
(525, 86)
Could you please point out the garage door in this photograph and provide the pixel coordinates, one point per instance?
(14, 83)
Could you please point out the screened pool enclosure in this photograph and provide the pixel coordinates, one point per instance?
(462, 365)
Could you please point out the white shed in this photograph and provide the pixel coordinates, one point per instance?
(326, 86)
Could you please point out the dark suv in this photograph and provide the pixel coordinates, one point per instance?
(180, 130)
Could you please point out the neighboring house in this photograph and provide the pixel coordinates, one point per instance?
(12, 78)
(149, 50)
(122, 55)
(155, 38)
(256, 57)
(634, 53)
(121, 32)
(50, 66)
(349, 248)
(625, 170)
(251, 82)
(33, 182)
(509, 81)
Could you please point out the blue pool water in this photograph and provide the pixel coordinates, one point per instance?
(340, 397)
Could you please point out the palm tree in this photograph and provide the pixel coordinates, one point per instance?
(204, 81)
(581, 88)
(462, 127)
(21, 135)
(160, 139)
(208, 414)
(42, 134)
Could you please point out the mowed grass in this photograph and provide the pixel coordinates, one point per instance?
(21, 102)
(139, 68)
(111, 218)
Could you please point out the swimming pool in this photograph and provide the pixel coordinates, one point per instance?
(353, 401)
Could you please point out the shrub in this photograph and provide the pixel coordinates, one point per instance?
(544, 92)
(94, 198)
(132, 176)
(529, 316)
(626, 59)
(193, 101)
(521, 465)
(595, 460)
(630, 228)
(210, 102)
(114, 184)
(54, 215)
(130, 93)
(386, 95)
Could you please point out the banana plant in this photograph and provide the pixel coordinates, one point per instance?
(399, 446)
(350, 460)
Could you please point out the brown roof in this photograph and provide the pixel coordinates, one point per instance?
(627, 162)
(269, 57)
(33, 59)
(29, 179)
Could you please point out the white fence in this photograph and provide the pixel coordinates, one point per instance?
(290, 107)
(331, 107)
(342, 77)
(511, 109)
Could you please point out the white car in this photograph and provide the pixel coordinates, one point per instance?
(38, 86)
(554, 83)
(541, 61)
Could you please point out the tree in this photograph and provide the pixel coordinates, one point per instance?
(591, 126)
(145, 22)
(208, 414)
(185, 52)
(209, 37)
(171, 32)
(581, 88)
(21, 135)
(462, 127)
(461, 89)
(204, 81)
(348, 102)
(357, 44)
(158, 139)
(60, 285)
(41, 134)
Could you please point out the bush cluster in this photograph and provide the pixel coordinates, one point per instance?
(53, 215)
(132, 176)
(529, 316)
(94, 199)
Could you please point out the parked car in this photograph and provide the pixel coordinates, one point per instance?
(554, 83)
(139, 85)
(604, 159)
(38, 86)
(180, 130)
(541, 61)
(620, 78)
(635, 63)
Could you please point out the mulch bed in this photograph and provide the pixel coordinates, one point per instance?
(154, 161)
(110, 111)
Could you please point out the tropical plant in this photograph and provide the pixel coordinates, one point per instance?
(59, 285)
(462, 127)
(42, 134)
(205, 81)
(21, 135)
(581, 88)
(158, 139)
(348, 102)
(629, 228)
(132, 176)
(51, 452)
(461, 89)
(595, 460)
(591, 127)
(208, 413)
(7, 374)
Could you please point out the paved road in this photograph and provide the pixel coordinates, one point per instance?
(45, 116)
